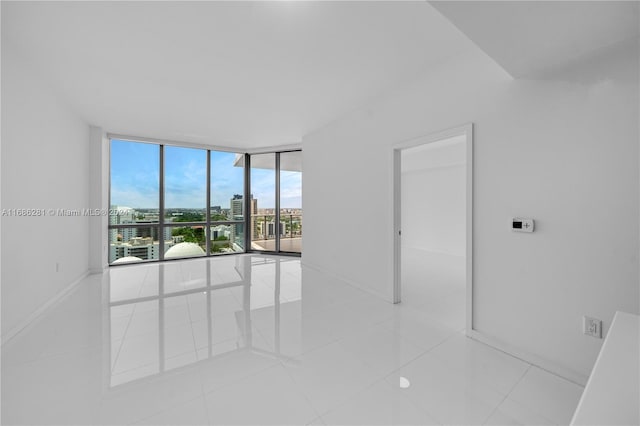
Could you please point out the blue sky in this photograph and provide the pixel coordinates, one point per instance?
(135, 178)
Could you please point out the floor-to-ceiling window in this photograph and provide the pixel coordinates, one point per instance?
(134, 230)
(276, 197)
(291, 201)
(175, 202)
(172, 202)
(185, 202)
(227, 206)
(263, 200)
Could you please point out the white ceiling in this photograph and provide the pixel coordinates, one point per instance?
(534, 38)
(235, 74)
(257, 74)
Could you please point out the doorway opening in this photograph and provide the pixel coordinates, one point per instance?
(433, 194)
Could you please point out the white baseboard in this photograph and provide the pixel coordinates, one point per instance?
(565, 373)
(42, 309)
(352, 283)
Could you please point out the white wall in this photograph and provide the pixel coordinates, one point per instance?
(433, 197)
(45, 154)
(562, 152)
(98, 199)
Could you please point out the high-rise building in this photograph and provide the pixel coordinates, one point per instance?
(237, 207)
(271, 229)
(168, 233)
(122, 216)
(141, 247)
(237, 213)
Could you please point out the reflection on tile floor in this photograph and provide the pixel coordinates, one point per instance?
(259, 340)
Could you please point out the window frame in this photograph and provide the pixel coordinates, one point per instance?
(276, 215)
(207, 223)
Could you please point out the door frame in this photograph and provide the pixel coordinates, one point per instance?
(464, 130)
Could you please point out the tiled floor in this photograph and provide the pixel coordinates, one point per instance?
(435, 285)
(260, 340)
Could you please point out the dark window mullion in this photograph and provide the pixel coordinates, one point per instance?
(248, 220)
(277, 215)
(161, 209)
(208, 213)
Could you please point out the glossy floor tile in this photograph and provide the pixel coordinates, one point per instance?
(511, 412)
(447, 394)
(550, 396)
(262, 340)
(435, 284)
(270, 397)
(379, 404)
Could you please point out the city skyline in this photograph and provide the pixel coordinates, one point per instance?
(135, 183)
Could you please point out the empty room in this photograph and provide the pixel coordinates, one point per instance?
(320, 212)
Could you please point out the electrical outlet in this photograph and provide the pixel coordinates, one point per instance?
(57, 267)
(592, 327)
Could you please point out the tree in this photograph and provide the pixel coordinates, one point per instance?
(189, 217)
(190, 235)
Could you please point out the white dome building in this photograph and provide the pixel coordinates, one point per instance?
(126, 259)
(184, 250)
